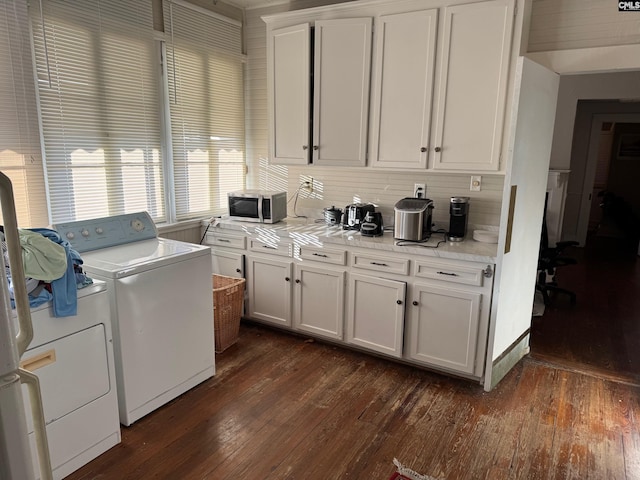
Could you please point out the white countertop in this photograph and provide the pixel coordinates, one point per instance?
(303, 231)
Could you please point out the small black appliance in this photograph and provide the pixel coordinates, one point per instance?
(332, 216)
(458, 218)
(372, 225)
(354, 215)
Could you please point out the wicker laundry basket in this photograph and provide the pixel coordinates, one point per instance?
(228, 295)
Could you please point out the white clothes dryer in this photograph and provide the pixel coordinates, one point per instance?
(161, 305)
(73, 359)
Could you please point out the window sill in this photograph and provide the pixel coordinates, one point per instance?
(180, 226)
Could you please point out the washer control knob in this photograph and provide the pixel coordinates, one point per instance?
(99, 230)
(85, 232)
(137, 225)
(70, 235)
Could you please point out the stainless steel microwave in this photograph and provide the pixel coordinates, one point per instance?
(257, 206)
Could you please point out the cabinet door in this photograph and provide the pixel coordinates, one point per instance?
(403, 89)
(474, 67)
(375, 318)
(227, 263)
(269, 289)
(288, 76)
(319, 301)
(342, 66)
(443, 327)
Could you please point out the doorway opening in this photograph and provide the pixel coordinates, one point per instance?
(601, 333)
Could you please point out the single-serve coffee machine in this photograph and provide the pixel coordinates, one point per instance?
(459, 216)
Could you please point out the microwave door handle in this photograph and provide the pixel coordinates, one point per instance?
(260, 200)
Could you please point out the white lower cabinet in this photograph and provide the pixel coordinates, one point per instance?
(319, 301)
(227, 257)
(443, 326)
(225, 263)
(432, 312)
(375, 313)
(269, 289)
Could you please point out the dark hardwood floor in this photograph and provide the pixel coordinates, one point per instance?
(601, 333)
(281, 407)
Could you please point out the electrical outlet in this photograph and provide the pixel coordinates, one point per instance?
(419, 190)
(308, 185)
(476, 183)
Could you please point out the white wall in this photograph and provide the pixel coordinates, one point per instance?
(341, 186)
(515, 285)
(580, 24)
(597, 86)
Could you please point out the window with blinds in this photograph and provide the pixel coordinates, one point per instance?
(98, 84)
(102, 101)
(204, 70)
(20, 157)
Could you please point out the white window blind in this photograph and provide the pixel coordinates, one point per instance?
(98, 84)
(205, 77)
(20, 157)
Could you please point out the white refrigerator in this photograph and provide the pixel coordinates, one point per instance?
(15, 453)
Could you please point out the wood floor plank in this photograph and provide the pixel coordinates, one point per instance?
(602, 330)
(280, 407)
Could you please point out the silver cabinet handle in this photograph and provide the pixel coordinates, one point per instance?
(316, 147)
(224, 240)
(488, 272)
(423, 149)
(305, 147)
(320, 255)
(379, 264)
(438, 149)
(269, 246)
(447, 273)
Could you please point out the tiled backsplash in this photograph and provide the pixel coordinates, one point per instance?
(341, 186)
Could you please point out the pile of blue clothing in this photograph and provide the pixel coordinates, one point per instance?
(53, 270)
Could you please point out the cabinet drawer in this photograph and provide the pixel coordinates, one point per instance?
(224, 240)
(468, 275)
(336, 257)
(273, 247)
(381, 264)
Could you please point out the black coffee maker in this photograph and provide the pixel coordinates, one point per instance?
(458, 218)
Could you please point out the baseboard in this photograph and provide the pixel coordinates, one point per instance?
(508, 359)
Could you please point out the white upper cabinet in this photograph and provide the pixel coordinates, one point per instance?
(467, 101)
(402, 89)
(342, 69)
(340, 104)
(472, 86)
(289, 84)
(439, 82)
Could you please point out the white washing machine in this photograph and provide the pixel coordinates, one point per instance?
(161, 307)
(73, 359)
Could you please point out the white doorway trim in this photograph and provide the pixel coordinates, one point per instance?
(592, 161)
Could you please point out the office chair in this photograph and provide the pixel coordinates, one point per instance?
(549, 260)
